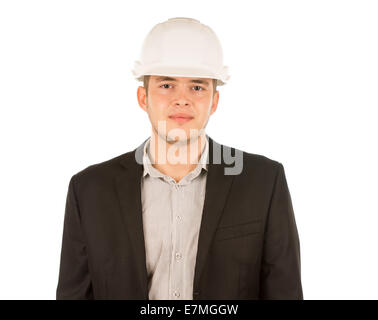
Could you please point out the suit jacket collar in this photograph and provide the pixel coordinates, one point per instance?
(128, 186)
(149, 169)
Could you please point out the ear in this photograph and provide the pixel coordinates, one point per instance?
(142, 98)
(215, 102)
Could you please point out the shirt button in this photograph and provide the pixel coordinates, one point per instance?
(178, 255)
(177, 294)
(178, 217)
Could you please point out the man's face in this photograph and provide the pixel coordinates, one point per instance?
(180, 103)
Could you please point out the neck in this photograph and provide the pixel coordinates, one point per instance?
(176, 159)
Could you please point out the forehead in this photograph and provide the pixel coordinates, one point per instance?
(205, 81)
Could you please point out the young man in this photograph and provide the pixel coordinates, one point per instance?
(181, 216)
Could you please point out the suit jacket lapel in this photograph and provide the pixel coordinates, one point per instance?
(217, 189)
(129, 193)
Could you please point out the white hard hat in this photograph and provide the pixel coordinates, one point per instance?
(182, 47)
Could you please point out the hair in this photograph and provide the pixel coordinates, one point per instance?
(146, 80)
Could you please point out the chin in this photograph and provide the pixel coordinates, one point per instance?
(177, 139)
(184, 138)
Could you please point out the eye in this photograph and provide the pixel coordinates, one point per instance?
(198, 87)
(165, 84)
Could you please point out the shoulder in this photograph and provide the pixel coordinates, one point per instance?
(111, 167)
(261, 162)
(101, 173)
(256, 172)
(252, 163)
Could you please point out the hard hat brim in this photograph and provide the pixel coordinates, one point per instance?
(180, 71)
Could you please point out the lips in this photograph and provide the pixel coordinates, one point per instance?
(181, 117)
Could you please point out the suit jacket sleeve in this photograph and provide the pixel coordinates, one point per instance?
(74, 278)
(280, 269)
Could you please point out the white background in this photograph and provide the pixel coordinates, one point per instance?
(303, 91)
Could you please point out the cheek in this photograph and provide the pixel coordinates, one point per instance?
(200, 121)
(156, 111)
(157, 99)
(205, 111)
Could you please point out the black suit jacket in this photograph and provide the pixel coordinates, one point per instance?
(248, 246)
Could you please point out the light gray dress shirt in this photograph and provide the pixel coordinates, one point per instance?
(172, 213)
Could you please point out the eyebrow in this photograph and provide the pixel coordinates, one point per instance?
(204, 82)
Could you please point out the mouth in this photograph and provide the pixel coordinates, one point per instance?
(181, 117)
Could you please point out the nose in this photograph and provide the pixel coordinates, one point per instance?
(181, 99)
(182, 102)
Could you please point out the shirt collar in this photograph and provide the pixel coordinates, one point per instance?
(153, 172)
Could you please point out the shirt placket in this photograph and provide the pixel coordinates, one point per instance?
(176, 254)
